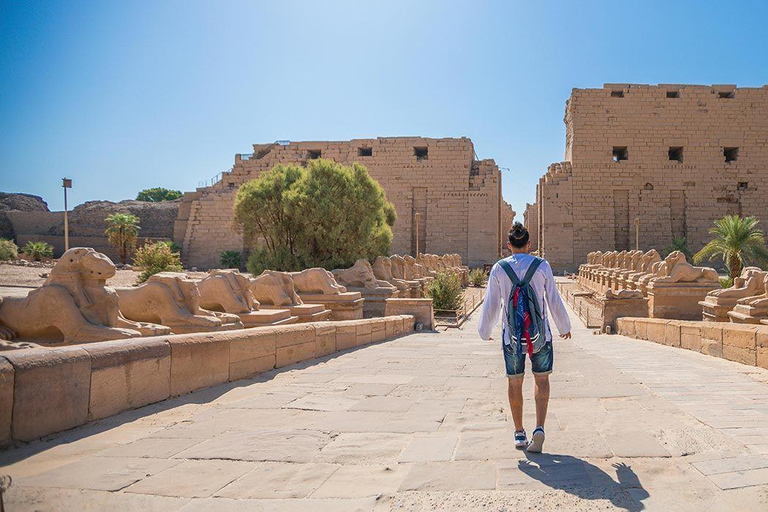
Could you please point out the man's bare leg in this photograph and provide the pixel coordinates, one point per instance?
(515, 393)
(541, 394)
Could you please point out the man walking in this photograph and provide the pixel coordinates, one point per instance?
(523, 287)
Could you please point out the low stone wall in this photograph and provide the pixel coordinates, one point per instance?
(43, 391)
(421, 309)
(746, 344)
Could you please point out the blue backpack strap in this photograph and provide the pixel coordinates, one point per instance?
(511, 273)
(534, 266)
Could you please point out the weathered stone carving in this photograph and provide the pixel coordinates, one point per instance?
(276, 290)
(360, 275)
(74, 305)
(382, 270)
(623, 294)
(750, 310)
(316, 280)
(676, 269)
(318, 286)
(678, 288)
(172, 299)
(718, 303)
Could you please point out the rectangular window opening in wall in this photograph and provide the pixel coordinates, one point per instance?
(421, 153)
(617, 94)
(673, 94)
(731, 154)
(364, 151)
(620, 153)
(231, 185)
(314, 154)
(743, 185)
(676, 155)
(725, 94)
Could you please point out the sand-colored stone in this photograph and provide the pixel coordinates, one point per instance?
(173, 300)
(421, 309)
(678, 288)
(74, 305)
(198, 361)
(718, 303)
(128, 374)
(51, 390)
(360, 278)
(382, 270)
(6, 400)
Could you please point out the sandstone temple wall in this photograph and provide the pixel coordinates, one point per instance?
(657, 153)
(457, 196)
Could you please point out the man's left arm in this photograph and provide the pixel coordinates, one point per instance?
(555, 303)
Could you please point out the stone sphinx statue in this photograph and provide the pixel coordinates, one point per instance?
(172, 299)
(382, 270)
(316, 281)
(74, 305)
(361, 275)
(275, 288)
(747, 286)
(676, 269)
(413, 269)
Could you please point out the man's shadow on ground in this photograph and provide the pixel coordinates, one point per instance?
(586, 481)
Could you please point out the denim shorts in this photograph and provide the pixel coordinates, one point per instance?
(541, 361)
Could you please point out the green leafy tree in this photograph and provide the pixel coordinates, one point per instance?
(122, 232)
(477, 277)
(737, 242)
(678, 244)
(325, 215)
(230, 259)
(158, 194)
(8, 250)
(38, 250)
(156, 257)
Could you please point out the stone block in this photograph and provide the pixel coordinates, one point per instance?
(712, 331)
(288, 335)
(364, 332)
(421, 309)
(127, 374)
(51, 390)
(740, 336)
(672, 334)
(690, 336)
(711, 347)
(251, 351)
(198, 361)
(740, 354)
(293, 354)
(346, 335)
(391, 326)
(657, 331)
(325, 339)
(762, 357)
(761, 339)
(626, 327)
(6, 400)
(641, 329)
(378, 330)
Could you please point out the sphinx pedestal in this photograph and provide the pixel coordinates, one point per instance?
(677, 301)
(343, 306)
(268, 316)
(745, 314)
(715, 309)
(375, 300)
(615, 308)
(306, 312)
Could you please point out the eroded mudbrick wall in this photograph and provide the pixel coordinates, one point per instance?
(676, 157)
(457, 196)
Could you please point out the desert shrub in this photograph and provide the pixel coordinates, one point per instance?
(173, 246)
(8, 250)
(37, 250)
(477, 277)
(726, 282)
(678, 244)
(122, 232)
(230, 259)
(325, 215)
(158, 194)
(154, 258)
(445, 290)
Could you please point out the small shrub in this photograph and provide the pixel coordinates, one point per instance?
(173, 246)
(726, 282)
(8, 250)
(230, 259)
(262, 259)
(477, 277)
(158, 194)
(678, 244)
(445, 290)
(38, 250)
(154, 258)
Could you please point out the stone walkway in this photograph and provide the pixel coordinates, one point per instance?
(422, 423)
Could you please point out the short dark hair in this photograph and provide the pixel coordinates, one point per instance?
(518, 236)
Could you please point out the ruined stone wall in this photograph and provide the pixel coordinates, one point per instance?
(656, 153)
(458, 197)
(531, 222)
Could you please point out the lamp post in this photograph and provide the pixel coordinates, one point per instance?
(66, 183)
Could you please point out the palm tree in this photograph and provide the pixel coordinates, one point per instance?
(122, 232)
(737, 241)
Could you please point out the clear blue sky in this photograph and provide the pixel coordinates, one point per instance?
(128, 95)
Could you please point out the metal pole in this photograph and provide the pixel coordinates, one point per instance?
(417, 216)
(637, 233)
(66, 183)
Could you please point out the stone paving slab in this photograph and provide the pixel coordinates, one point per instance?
(422, 423)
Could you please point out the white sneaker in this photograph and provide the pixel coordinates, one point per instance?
(521, 439)
(537, 441)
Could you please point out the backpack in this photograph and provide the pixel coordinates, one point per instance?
(524, 318)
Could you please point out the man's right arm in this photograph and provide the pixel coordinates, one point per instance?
(489, 315)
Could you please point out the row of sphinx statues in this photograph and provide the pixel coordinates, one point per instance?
(75, 305)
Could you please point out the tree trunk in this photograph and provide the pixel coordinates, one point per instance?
(735, 267)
